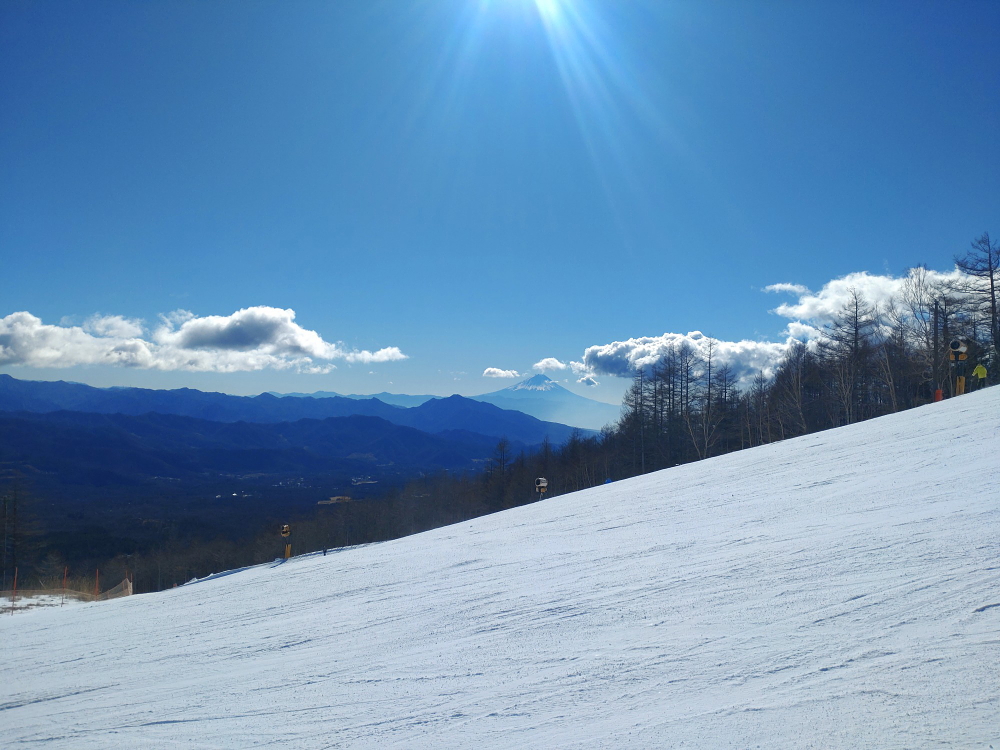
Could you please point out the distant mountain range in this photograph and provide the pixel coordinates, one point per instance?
(396, 399)
(454, 413)
(542, 397)
(116, 468)
(539, 396)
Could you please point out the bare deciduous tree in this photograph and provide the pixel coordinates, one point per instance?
(982, 263)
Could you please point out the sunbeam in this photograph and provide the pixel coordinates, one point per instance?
(611, 102)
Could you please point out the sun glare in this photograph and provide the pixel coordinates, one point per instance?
(610, 100)
(548, 9)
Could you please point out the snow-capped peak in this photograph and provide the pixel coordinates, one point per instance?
(535, 383)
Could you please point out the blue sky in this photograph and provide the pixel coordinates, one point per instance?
(469, 184)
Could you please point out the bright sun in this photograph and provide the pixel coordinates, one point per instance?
(548, 9)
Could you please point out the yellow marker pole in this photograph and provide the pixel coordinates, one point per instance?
(960, 378)
(286, 532)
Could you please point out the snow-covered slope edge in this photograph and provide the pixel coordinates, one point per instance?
(837, 590)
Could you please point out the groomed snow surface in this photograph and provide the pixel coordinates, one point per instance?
(840, 590)
(20, 604)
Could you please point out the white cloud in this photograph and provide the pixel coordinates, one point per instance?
(496, 372)
(114, 326)
(253, 329)
(549, 363)
(803, 331)
(823, 306)
(623, 358)
(388, 354)
(24, 339)
(588, 380)
(254, 338)
(807, 317)
(787, 288)
(177, 317)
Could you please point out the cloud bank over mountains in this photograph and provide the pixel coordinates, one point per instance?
(254, 338)
(623, 358)
(551, 364)
(259, 338)
(807, 318)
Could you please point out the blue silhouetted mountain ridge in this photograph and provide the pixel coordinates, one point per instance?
(396, 399)
(438, 415)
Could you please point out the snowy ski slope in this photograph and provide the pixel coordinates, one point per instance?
(840, 590)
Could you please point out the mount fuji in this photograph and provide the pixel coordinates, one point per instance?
(543, 398)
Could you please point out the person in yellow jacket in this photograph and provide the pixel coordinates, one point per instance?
(980, 374)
